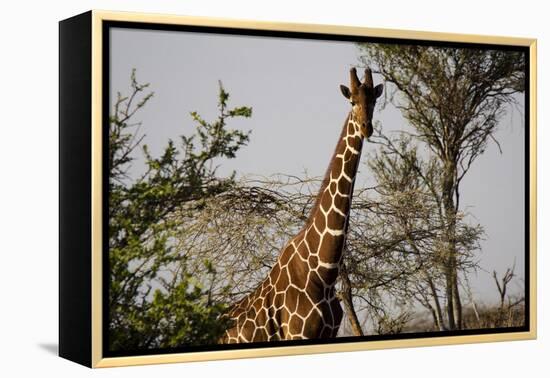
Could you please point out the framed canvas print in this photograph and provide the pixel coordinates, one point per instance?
(235, 189)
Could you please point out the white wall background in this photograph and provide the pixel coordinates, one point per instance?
(28, 190)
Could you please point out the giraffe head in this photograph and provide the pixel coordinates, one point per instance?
(362, 97)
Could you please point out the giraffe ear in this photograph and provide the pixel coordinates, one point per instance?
(345, 91)
(378, 90)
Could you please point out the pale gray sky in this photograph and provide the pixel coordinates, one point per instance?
(298, 112)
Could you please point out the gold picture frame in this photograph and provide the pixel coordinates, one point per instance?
(81, 265)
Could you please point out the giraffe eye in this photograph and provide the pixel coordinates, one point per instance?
(352, 103)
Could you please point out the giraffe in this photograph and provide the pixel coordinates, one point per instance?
(297, 299)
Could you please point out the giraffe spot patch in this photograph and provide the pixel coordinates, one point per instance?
(335, 220)
(341, 203)
(351, 128)
(336, 167)
(344, 186)
(286, 255)
(241, 319)
(296, 325)
(275, 273)
(354, 142)
(315, 286)
(332, 188)
(304, 305)
(312, 262)
(298, 272)
(313, 239)
(251, 314)
(329, 244)
(326, 202)
(328, 275)
(260, 335)
(283, 281)
(347, 155)
(285, 316)
(349, 168)
(320, 221)
(341, 147)
(303, 251)
(257, 305)
(292, 299)
(248, 330)
(278, 301)
(261, 317)
(313, 324)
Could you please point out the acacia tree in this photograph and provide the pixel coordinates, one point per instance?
(453, 98)
(150, 305)
(406, 230)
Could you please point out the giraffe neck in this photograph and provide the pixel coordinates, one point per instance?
(326, 228)
(298, 299)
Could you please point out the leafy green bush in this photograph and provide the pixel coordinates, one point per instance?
(154, 301)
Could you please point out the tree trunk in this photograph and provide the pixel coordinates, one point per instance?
(476, 313)
(449, 296)
(454, 306)
(347, 299)
(438, 314)
(457, 301)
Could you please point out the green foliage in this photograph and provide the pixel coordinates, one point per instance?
(153, 300)
(182, 315)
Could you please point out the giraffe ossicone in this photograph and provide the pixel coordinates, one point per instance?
(297, 299)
